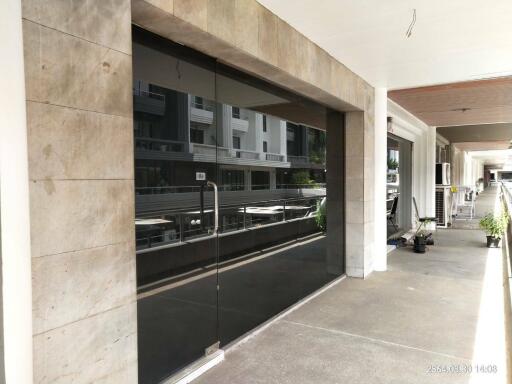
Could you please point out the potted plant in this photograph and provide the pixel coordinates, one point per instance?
(392, 164)
(320, 217)
(494, 227)
(422, 237)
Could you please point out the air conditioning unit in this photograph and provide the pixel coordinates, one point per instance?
(443, 207)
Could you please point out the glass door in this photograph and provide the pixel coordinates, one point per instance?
(272, 241)
(176, 120)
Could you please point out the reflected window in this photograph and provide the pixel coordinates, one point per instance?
(197, 136)
(236, 142)
(260, 180)
(235, 112)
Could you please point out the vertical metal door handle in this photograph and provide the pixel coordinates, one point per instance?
(216, 205)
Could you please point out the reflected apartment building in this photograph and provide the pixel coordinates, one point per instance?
(230, 179)
(261, 158)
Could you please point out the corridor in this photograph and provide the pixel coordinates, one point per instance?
(431, 318)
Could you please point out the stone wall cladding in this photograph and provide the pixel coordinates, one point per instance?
(78, 71)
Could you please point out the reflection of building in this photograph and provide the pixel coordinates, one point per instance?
(177, 134)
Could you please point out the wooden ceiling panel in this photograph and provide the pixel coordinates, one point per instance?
(473, 102)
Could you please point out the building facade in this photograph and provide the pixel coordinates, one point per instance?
(92, 109)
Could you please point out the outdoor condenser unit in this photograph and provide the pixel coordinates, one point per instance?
(443, 206)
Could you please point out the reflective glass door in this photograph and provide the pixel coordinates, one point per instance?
(176, 145)
(212, 266)
(272, 167)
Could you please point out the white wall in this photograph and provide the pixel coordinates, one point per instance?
(408, 127)
(14, 199)
(466, 170)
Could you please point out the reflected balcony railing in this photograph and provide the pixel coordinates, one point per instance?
(151, 95)
(224, 187)
(305, 160)
(203, 106)
(181, 226)
(246, 154)
(151, 144)
(274, 157)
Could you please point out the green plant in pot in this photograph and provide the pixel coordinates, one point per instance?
(422, 238)
(392, 164)
(494, 227)
(321, 218)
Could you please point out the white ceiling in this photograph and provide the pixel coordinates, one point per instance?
(452, 40)
(497, 157)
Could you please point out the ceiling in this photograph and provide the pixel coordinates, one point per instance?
(451, 41)
(482, 145)
(481, 133)
(497, 158)
(472, 102)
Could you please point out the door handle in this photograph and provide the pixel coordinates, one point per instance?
(215, 207)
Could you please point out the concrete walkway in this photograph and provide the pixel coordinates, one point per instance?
(429, 319)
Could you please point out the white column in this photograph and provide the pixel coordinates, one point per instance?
(380, 225)
(14, 201)
(430, 199)
(282, 138)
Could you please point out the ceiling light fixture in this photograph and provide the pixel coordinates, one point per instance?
(411, 26)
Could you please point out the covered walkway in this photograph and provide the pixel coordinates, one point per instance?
(431, 318)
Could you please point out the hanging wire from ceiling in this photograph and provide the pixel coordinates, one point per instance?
(411, 26)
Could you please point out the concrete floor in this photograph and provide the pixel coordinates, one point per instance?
(442, 309)
(484, 204)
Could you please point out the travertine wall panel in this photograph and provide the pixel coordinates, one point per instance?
(78, 71)
(70, 143)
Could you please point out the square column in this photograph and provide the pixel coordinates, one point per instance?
(360, 183)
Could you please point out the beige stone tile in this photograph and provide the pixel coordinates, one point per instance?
(355, 233)
(89, 350)
(354, 144)
(106, 22)
(354, 191)
(354, 167)
(144, 12)
(354, 123)
(64, 70)
(267, 36)
(71, 215)
(354, 212)
(165, 5)
(67, 143)
(221, 19)
(246, 25)
(354, 271)
(288, 48)
(354, 256)
(75, 285)
(192, 11)
(127, 375)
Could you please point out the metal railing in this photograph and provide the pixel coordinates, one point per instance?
(246, 154)
(203, 106)
(150, 144)
(180, 226)
(223, 187)
(274, 157)
(151, 95)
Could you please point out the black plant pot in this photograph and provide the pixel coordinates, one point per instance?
(419, 244)
(493, 242)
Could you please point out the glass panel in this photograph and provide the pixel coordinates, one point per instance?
(175, 135)
(272, 252)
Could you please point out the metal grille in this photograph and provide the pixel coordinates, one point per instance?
(440, 208)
